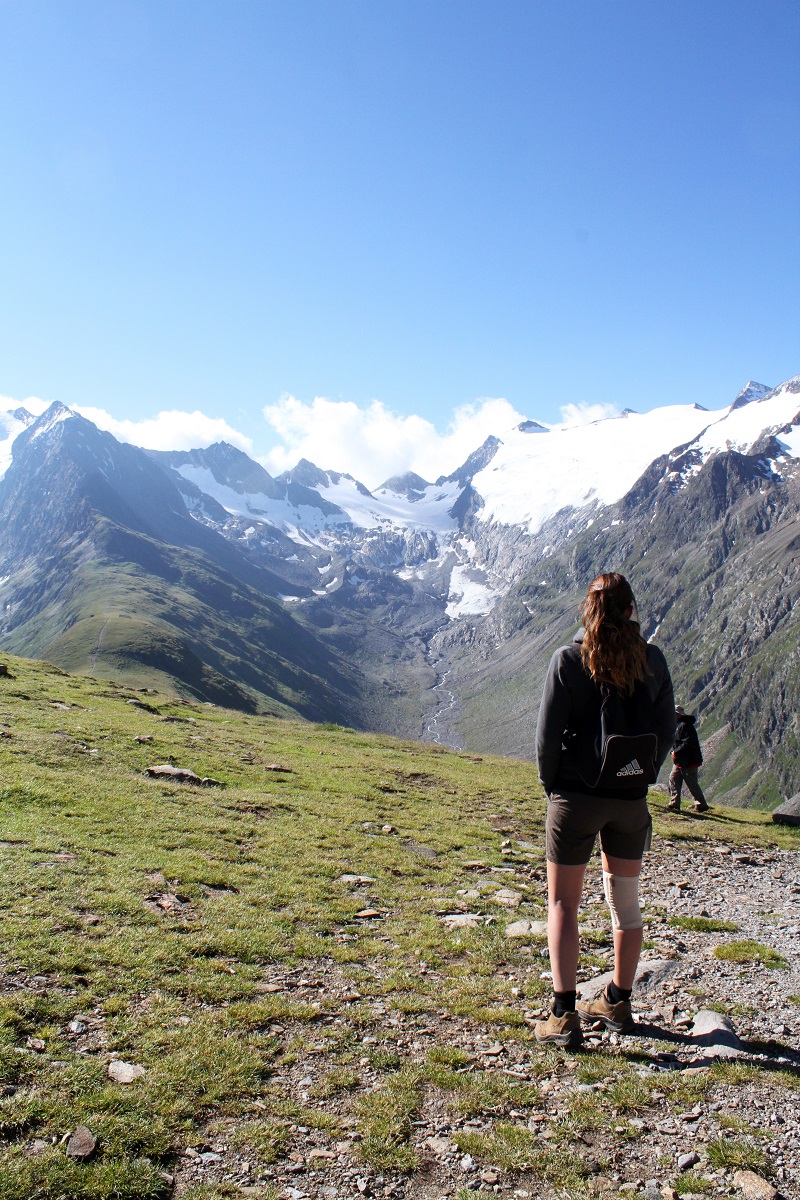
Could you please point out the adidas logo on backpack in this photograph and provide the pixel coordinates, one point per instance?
(615, 741)
(632, 768)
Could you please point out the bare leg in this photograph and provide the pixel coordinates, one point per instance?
(564, 888)
(627, 942)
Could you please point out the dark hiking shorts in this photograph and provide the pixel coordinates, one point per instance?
(574, 821)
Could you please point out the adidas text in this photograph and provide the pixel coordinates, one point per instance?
(632, 768)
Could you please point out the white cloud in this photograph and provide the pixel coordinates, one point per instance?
(171, 429)
(372, 443)
(33, 404)
(369, 442)
(584, 414)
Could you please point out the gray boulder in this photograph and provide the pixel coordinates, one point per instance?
(788, 813)
(716, 1031)
(650, 975)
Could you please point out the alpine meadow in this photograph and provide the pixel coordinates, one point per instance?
(249, 955)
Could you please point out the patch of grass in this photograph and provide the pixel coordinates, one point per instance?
(510, 1017)
(410, 1003)
(733, 1123)
(733, 1073)
(516, 1148)
(384, 1118)
(680, 1091)
(749, 951)
(592, 1068)
(449, 1056)
(52, 1176)
(268, 1139)
(587, 1111)
(474, 1092)
(692, 1184)
(286, 1108)
(340, 1079)
(740, 1155)
(384, 1060)
(703, 924)
(629, 1093)
(221, 1191)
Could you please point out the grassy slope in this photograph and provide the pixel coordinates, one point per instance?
(148, 613)
(157, 911)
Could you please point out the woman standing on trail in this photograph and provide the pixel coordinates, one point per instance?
(608, 669)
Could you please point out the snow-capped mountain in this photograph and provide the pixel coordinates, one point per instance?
(519, 480)
(12, 424)
(415, 582)
(530, 473)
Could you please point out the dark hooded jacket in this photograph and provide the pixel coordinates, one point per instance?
(686, 750)
(567, 691)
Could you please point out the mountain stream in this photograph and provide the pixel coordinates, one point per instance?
(437, 728)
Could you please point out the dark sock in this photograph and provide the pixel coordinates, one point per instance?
(563, 1002)
(615, 994)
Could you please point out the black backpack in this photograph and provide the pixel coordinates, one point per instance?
(615, 745)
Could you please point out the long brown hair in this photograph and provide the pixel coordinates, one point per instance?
(613, 649)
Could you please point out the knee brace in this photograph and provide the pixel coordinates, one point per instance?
(622, 897)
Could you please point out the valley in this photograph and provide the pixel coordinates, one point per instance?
(424, 609)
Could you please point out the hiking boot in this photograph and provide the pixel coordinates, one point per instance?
(673, 806)
(560, 1031)
(698, 808)
(616, 1017)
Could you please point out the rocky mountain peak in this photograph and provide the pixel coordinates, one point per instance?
(410, 485)
(750, 392)
(229, 466)
(311, 476)
(51, 417)
(479, 459)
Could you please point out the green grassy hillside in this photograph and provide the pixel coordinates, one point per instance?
(157, 615)
(215, 936)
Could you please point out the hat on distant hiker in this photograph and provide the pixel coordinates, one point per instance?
(680, 710)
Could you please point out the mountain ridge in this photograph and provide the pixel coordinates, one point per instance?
(464, 579)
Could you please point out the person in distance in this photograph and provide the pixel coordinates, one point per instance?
(687, 758)
(606, 724)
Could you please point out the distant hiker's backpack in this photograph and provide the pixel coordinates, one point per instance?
(615, 744)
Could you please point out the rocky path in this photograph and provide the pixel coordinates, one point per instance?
(701, 1101)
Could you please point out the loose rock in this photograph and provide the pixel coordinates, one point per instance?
(716, 1031)
(461, 920)
(520, 929)
(122, 1072)
(753, 1187)
(82, 1143)
(181, 775)
(788, 813)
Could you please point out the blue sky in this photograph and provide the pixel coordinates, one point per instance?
(400, 207)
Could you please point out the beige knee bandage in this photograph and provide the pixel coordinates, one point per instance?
(622, 896)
